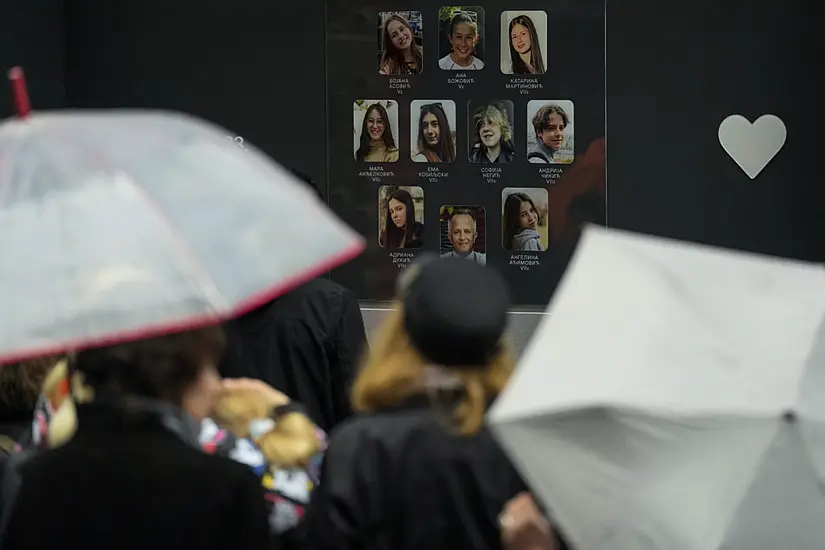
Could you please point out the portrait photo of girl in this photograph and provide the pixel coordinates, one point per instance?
(375, 130)
(523, 42)
(400, 217)
(400, 39)
(461, 40)
(524, 219)
(432, 133)
(491, 131)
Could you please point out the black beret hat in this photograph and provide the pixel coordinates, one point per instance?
(455, 311)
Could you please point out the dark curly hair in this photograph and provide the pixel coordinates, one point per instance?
(160, 368)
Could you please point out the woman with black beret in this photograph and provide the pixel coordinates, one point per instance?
(417, 469)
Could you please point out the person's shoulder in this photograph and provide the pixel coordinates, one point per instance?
(180, 459)
(318, 288)
(478, 63)
(330, 288)
(445, 62)
(233, 469)
(382, 427)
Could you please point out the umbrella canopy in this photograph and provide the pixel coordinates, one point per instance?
(123, 224)
(674, 399)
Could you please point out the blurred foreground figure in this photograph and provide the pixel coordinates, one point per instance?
(417, 470)
(126, 469)
(252, 423)
(307, 343)
(20, 385)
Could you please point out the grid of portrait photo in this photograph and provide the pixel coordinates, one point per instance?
(522, 48)
(531, 129)
(547, 132)
(494, 112)
(498, 131)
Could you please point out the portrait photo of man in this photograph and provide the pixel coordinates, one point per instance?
(463, 233)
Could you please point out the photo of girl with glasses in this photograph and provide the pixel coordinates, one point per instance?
(375, 130)
(399, 43)
(431, 134)
(463, 48)
(523, 39)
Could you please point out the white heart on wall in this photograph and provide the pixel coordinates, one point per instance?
(752, 145)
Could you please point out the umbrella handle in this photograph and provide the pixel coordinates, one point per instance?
(19, 92)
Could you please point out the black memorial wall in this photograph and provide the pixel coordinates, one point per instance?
(569, 38)
(673, 73)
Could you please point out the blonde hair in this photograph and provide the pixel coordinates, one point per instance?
(394, 371)
(496, 115)
(290, 444)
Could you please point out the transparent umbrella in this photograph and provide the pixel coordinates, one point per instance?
(122, 224)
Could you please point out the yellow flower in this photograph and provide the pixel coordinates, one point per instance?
(268, 482)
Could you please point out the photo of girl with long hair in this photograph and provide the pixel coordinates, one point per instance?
(524, 219)
(523, 42)
(375, 130)
(491, 131)
(400, 211)
(461, 40)
(400, 37)
(431, 130)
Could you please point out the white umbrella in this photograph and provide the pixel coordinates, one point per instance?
(122, 224)
(675, 399)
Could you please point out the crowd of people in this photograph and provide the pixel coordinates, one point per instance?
(280, 429)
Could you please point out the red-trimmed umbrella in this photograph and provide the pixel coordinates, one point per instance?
(117, 225)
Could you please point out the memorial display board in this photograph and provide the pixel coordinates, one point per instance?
(466, 130)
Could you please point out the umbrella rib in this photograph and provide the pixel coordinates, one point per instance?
(200, 275)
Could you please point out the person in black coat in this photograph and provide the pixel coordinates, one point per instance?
(133, 476)
(306, 343)
(417, 469)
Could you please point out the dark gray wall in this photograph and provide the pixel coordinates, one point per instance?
(674, 72)
(32, 35)
(252, 66)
